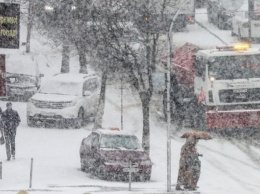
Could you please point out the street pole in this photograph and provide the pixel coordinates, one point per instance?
(31, 173)
(169, 62)
(250, 16)
(122, 111)
(169, 67)
(130, 175)
(29, 26)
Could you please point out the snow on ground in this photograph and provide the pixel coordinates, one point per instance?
(57, 167)
(226, 167)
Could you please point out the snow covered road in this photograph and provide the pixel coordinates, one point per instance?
(226, 167)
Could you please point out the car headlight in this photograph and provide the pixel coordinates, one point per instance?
(146, 163)
(69, 104)
(112, 162)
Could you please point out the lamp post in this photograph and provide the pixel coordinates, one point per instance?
(122, 111)
(169, 65)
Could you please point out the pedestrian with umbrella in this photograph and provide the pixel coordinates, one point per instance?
(189, 167)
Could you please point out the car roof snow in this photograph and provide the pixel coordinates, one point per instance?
(108, 131)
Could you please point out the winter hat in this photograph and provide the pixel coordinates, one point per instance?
(8, 104)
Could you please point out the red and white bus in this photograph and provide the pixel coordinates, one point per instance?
(224, 83)
(229, 77)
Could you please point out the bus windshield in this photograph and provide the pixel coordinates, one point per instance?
(234, 67)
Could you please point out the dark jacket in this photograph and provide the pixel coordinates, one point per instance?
(10, 119)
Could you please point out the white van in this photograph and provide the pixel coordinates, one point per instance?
(67, 99)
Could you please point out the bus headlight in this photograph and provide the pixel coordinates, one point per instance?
(212, 79)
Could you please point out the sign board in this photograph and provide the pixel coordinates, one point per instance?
(9, 25)
(257, 7)
(2, 76)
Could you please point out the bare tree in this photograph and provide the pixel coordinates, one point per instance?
(129, 31)
(67, 22)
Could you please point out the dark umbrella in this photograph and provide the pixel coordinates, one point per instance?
(197, 134)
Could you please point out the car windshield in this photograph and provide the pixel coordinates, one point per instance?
(61, 88)
(119, 142)
(234, 67)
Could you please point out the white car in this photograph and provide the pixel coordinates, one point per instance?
(65, 98)
(240, 25)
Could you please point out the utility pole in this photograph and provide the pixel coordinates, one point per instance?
(251, 4)
(29, 25)
(122, 111)
(249, 19)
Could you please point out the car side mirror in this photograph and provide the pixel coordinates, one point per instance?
(86, 93)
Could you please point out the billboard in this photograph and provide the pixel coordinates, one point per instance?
(2, 76)
(257, 7)
(9, 25)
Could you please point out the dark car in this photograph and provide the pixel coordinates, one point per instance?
(108, 153)
(23, 77)
(21, 85)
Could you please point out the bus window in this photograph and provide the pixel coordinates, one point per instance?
(235, 67)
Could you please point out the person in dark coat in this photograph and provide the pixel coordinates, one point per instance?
(10, 120)
(1, 129)
(189, 167)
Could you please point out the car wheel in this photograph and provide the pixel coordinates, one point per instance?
(84, 166)
(145, 177)
(30, 122)
(101, 172)
(80, 120)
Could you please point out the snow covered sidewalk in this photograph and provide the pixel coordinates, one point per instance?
(225, 167)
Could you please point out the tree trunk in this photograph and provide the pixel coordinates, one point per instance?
(82, 60)
(145, 98)
(29, 26)
(65, 62)
(101, 103)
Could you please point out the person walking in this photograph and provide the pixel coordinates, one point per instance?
(189, 167)
(2, 139)
(10, 120)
